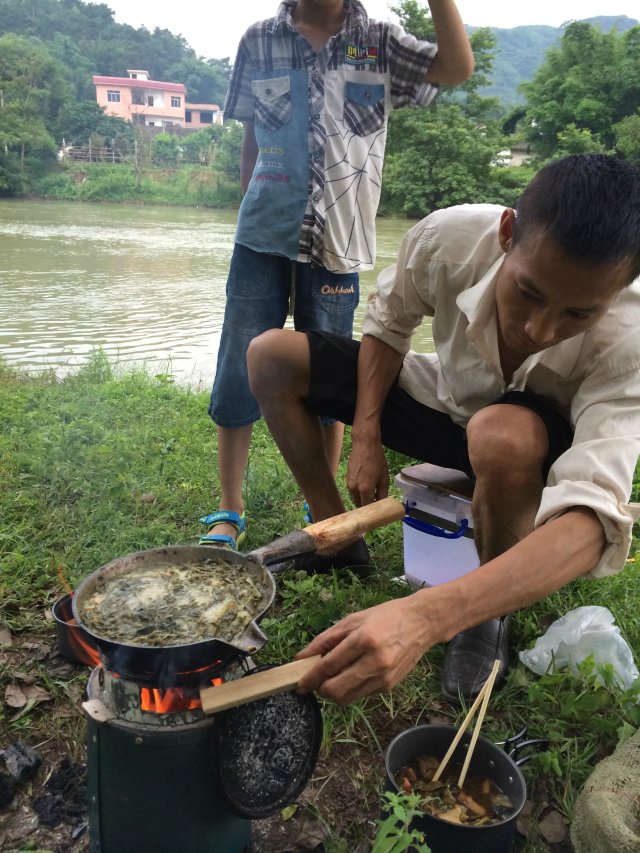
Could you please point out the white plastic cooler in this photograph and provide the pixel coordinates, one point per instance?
(438, 531)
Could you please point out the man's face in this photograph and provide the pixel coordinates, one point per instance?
(544, 298)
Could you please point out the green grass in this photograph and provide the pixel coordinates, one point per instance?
(79, 460)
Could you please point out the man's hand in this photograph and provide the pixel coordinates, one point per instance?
(368, 652)
(367, 473)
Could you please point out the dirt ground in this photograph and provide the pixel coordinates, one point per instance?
(47, 812)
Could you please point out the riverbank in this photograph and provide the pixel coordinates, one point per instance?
(184, 186)
(101, 464)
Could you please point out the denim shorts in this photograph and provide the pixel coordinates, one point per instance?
(259, 287)
(407, 425)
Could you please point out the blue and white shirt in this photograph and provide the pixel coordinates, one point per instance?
(320, 121)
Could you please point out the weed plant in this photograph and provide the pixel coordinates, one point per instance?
(103, 463)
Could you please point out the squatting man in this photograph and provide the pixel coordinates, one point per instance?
(533, 390)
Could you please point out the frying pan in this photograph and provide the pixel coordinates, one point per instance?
(183, 664)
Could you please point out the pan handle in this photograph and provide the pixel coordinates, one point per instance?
(328, 535)
(339, 529)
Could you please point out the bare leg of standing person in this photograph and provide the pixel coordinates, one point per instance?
(233, 455)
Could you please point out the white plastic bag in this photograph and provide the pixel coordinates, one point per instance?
(578, 634)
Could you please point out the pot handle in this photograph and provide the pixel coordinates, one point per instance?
(329, 534)
(515, 744)
(535, 744)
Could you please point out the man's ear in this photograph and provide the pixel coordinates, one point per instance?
(505, 229)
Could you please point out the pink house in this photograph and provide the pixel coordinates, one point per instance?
(154, 103)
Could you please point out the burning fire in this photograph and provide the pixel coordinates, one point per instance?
(83, 650)
(172, 700)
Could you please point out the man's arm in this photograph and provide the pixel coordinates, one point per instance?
(454, 62)
(368, 475)
(375, 649)
(248, 157)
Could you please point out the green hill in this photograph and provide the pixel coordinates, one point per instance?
(520, 50)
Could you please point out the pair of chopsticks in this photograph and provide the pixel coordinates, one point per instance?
(483, 696)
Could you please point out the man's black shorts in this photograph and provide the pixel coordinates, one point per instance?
(408, 426)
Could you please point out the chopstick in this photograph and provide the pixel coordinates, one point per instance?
(488, 687)
(483, 696)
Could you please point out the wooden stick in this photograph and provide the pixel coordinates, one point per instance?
(488, 687)
(461, 731)
(254, 686)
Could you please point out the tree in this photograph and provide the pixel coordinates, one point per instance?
(32, 91)
(78, 121)
(228, 155)
(206, 82)
(165, 150)
(443, 155)
(585, 87)
(627, 136)
(444, 159)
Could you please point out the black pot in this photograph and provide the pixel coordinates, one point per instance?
(73, 642)
(488, 760)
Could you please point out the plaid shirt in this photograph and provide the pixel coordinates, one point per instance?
(320, 121)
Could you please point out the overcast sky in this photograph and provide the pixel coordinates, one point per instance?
(213, 29)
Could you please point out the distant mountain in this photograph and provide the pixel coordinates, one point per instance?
(520, 50)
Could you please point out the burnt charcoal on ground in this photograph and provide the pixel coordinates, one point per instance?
(65, 798)
(7, 789)
(21, 761)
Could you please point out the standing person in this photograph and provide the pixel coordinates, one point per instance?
(313, 87)
(533, 389)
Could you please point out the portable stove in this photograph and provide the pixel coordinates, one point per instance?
(149, 768)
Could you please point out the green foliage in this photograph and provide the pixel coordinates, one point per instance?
(444, 155)
(394, 834)
(437, 158)
(86, 38)
(584, 89)
(227, 160)
(78, 121)
(627, 138)
(12, 178)
(165, 150)
(185, 186)
(33, 90)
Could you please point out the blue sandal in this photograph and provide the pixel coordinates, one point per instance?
(307, 518)
(224, 516)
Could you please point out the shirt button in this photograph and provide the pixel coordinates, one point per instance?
(268, 91)
(367, 94)
(316, 197)
(316, 116)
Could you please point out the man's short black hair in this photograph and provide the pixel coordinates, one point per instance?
(589, 205)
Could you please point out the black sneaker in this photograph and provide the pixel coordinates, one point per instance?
(354, 557)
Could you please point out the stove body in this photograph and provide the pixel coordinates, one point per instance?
(151, 786)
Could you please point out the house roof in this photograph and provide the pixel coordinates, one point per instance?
(132, 83)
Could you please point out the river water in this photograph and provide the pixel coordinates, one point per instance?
(146, 284)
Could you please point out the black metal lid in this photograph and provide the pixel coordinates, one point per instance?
(264, 752)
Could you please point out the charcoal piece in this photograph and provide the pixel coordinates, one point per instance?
(21, 761)
(7, 789)
(65, 796)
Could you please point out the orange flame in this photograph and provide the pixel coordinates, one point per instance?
(171, 700)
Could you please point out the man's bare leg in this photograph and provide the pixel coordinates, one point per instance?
(507, 448)
(278, 363)
(333, 436)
